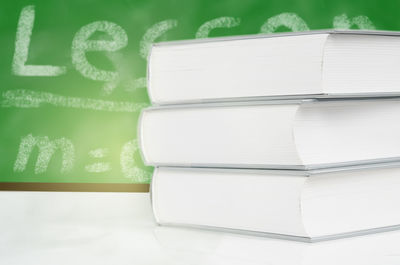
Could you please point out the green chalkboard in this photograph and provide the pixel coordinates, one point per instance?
(73, 74)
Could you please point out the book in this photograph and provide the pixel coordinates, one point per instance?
(291, 134)
(309, 64)
(306, 206)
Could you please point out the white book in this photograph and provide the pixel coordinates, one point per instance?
(302, 134)
(305, 206)
(309, 64)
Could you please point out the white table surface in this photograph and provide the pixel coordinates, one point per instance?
(57, 228)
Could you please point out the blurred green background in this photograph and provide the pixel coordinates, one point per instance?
(144, 21)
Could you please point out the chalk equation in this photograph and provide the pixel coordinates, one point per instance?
(48, 147)
(118, 39)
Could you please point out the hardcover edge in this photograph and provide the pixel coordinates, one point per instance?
(278, 34)
(292, 169)
(271, 100)
(283, 236)
(290, 172)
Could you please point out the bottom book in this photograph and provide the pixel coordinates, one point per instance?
(301, 205)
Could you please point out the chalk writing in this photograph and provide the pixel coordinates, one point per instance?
(23, 39)
(81, 44)
(123, 73)
(153, 33)
(288, 20)
(98, 167)
(137, 83)
(98, 153)
(343, 22)
(221, 22)
(47, 148)
(129, 169)
(32, 99)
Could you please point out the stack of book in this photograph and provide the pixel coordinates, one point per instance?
(286, 135)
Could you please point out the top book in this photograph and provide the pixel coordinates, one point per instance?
(310, 64)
